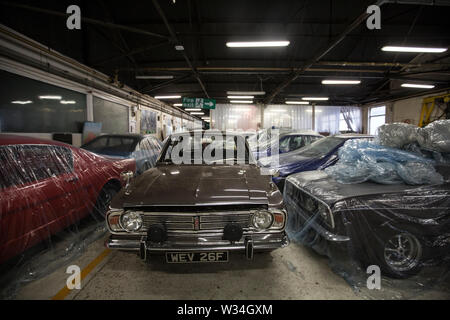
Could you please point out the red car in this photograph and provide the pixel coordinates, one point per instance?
(46, 186)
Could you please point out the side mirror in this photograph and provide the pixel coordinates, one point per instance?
(274, 173)
(126, 177)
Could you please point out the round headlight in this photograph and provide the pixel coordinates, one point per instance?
(131, 221)
(262, 220)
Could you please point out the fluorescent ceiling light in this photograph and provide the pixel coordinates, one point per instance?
(155, 77)
(341, 81)
(193, 109)
(21, 102)
(167, 97)
(257, 44)
(241, 97)
(297, 102)
(50, 97)
(198, 113)
(67, 102)
(241, 101)
(178, 105)
(315, 99)
(415, 85)
(413, 49)
(206, 120)
(246, 93)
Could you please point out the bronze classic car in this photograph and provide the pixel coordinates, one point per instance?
(197, 210)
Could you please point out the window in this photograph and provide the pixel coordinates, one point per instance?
(113, 116)
(27, 164)
(377, 117)
(343, 126)
(28, 105)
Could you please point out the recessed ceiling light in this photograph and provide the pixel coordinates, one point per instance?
(413, 49)
(419, 86)
(179, 48)
(155, 77)
(257, 44)
(246, 93)
(193, 109)
(178, 105)
(167, 97)
(297, 102)
(50, 97)
(241, 97)
(241, 101)
(198, 113)
(315, 99)
(341, 81)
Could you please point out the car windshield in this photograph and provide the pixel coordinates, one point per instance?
(208, 148)
(111, 145)
(321, 147)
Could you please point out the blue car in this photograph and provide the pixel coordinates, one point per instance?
(288, 142)
(318, 155)
(144, 148)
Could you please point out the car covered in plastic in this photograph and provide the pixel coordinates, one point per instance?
(318, 155)
(398, 227)
(287, 142)
(46, 186)
(199, 210)
(143, 148)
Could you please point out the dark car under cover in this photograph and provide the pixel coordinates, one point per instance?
(398, 227)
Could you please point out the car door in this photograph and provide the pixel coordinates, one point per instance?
(36, 187)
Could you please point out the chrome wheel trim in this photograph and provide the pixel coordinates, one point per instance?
(402, 252)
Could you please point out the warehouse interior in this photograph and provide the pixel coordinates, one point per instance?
(346, 104)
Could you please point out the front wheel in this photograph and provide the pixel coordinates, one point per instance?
(399, 255)
(104, 200)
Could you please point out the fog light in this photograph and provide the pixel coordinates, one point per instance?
(131, 221)
(262, 220)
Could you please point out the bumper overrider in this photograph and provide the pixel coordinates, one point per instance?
(157, 239)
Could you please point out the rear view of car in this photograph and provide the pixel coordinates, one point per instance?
(144, 149)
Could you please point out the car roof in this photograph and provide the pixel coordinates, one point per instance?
(12, 139)
(353, 135)
(123, 135)
(304, 133)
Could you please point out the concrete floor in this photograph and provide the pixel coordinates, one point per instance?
(294, 272)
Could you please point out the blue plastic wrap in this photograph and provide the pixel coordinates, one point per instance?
(361, 161)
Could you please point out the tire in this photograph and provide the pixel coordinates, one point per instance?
(399, 255)
(104, 200)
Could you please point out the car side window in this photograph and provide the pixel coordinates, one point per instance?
(26, 164)
(284, 144)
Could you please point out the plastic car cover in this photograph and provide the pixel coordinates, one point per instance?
(435, 136)
(361, 161)
(396, 135)
(359, 227)
(52, 201)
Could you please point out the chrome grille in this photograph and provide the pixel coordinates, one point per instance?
(186, 222)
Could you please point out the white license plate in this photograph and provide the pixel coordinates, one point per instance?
(197, 257)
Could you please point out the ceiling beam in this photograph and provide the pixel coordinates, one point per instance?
(177, 42)
(84, 19)
(319, 55)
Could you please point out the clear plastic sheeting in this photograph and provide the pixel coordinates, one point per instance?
(397, 135)
(361, 161)
(402, 230)
(435, 136)
(53, 198)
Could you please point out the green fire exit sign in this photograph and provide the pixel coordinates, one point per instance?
(199, 103)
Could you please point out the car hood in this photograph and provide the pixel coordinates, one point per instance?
(186, 185)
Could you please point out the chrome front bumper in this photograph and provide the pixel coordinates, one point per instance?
(248, 244)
